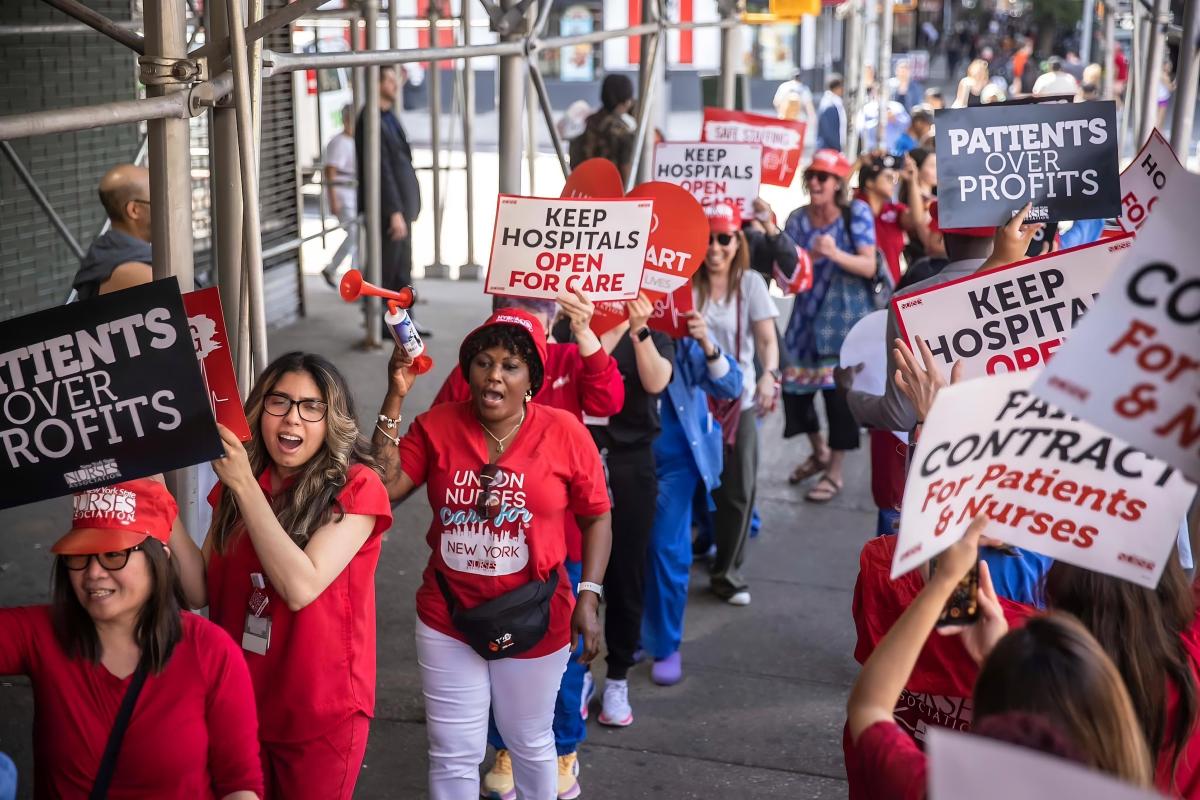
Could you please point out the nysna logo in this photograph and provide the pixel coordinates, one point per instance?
(1136, 561)
(109, 503)
(92, 473)
(524, 323)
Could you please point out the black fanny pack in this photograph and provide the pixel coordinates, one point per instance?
(507, 625)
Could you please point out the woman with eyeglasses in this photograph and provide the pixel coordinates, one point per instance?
(740, 316)
(291, 556)
(115, 635)
(495, 614)
(840, 237)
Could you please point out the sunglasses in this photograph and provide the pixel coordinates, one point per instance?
(820, 177)
(722, 239)
(280, 405)
(487, 505)
(111, 561)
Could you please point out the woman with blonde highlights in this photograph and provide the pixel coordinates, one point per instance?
(291, 559)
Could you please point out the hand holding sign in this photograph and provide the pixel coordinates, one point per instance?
(234, 469)
(1011, 242)
(640, 309)
(921, 381)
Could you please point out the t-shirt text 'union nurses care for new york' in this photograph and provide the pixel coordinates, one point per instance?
(473, 544)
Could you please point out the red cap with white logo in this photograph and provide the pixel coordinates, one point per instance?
(118, 517)
(831, 161)
(723, 217)
(516, 318)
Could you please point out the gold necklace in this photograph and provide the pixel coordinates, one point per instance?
(501, 439)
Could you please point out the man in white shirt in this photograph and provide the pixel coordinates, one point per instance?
(340, 174)
(831, 116)
(794, 101)
(1056, 81)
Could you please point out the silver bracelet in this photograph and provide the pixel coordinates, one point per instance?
(391, 423)
(393, 439)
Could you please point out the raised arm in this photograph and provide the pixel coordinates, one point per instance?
(386, 439)
(654, 371)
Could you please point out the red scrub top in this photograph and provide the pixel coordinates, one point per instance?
(889, 236)
(550, 469)
(193, 733)
(1187, 770)
(320, 667)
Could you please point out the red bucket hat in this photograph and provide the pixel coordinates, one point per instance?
(118, 517)
(516, 318)
(831, 161)
(723, 217)
(974, 233)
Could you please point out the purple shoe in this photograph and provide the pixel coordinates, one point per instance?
(667, 671)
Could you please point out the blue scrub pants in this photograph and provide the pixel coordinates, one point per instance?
(569, 727)
(669, 557)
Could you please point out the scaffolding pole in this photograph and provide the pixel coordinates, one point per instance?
(437, 269)
(853, 76)
(884, 73)
(372, 211)
(729, 55)
(511, 89)
(98, 22)
(1185, 83)
(471, 270)
(1153, 73)
(41, 199)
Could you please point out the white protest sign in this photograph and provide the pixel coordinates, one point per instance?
(1049, 483)
(1011, 318)
(866, 344)
(962, 765)
(1133, 368)
(542, 247)
(1144, 178)
(713, 173)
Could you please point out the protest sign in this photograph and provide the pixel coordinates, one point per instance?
(1011, 318)
(543, 246)
(674, 251)
(596, 178)
(207, 325)
(782, 140)
(100, 391)
(1049, 483)
(1133, 367)
(1143, 179)
(962, 765)
(713, 173)
(1061, 157)
(866, 347)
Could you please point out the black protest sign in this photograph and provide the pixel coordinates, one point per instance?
(1061, 157)
(98, 392)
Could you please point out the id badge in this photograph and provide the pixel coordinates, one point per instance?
(257, 636)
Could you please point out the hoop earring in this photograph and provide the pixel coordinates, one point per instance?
(528, 395)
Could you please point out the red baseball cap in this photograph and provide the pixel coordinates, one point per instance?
(974, 233)
(723, 217)
(118, 517)
(831, 161)
(516, 318)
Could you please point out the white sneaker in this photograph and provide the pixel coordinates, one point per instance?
(741, 598)
(589, 691)
(616, 711)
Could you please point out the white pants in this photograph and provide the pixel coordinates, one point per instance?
(460, 687)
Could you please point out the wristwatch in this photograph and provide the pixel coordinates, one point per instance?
(644, 333)
(715, 355)
(588, 586)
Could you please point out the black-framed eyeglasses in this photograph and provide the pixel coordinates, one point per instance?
(722, 239)
(280, 405)
(487, 504)
(820, 177)
(111, 561)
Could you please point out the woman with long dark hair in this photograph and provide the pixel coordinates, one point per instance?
(496, 617)
(1153, 637)
(840, 237)
(291, 558)
(740, 316)
(114, 634)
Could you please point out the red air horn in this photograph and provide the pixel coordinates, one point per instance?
(404, 331)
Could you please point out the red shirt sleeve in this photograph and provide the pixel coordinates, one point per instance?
(17, 635)
(214, 495)
(415, 451)
(602, 391)
(233, 756)
(454, 389)
(588, 491)
(364, 493)
(890, 765)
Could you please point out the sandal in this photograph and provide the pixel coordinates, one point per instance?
(806, 470)
(825, 490)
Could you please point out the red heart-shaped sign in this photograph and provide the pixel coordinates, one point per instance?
(596, 177)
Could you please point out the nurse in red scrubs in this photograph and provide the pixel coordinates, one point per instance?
(291, 559)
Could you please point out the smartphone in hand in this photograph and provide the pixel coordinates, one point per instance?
(963, 606)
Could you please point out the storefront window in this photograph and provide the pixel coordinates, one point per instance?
(577, 62)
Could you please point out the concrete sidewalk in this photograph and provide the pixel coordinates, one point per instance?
(760, 711)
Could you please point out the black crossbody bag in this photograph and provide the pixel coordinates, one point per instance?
(507, 625)
(112, 749)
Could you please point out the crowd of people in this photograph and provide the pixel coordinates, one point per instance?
(569, 471)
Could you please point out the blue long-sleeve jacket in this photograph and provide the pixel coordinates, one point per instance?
(687, 393)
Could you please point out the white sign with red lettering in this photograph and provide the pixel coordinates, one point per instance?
(713, 173)
(962, 765)
(1050, 483)
(542, 247)
(1144, 179)
(1134, 366)
(1011, 318)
